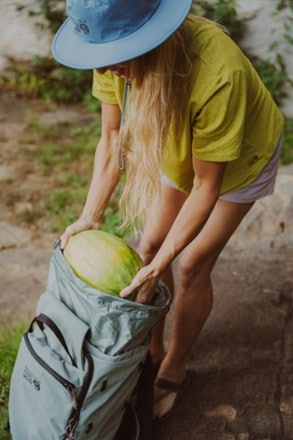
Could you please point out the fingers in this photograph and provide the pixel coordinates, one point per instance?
(136, 283)
(144, 298)
(74, 228)
(128, 291)
(69, 231)
(144, 284)
(64, 239)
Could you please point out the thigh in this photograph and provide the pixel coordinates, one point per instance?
(204, 250)
(161, 216)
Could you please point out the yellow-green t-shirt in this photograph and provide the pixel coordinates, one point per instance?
(230, 117)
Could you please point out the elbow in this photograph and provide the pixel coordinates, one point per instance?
(211, 189)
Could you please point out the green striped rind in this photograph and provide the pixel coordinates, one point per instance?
(102, 260)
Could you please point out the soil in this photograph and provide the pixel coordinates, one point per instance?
(242, 380)
(23, 183)
(26, 237)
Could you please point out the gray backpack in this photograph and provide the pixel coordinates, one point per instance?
(78, 365)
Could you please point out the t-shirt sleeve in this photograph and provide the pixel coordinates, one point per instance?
(219, 125)
(102, 87)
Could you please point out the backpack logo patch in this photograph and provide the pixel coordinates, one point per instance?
(31, 378)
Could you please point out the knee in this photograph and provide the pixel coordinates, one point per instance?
(148, 248)
(194, 270)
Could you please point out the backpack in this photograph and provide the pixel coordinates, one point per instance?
(78, 368)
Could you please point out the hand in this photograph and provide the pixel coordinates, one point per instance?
(81, 224)
(145, 282)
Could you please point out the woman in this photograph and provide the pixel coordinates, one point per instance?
(186, 114)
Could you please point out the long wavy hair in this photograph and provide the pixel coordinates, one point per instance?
(160, 87)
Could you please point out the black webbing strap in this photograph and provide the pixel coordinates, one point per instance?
(44, 319)
(145, 392)
(137, 420)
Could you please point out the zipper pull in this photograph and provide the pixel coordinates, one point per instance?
(72, 393)
(121, 152)
(70, 430)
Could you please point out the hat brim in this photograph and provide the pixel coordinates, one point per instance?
(72, 51)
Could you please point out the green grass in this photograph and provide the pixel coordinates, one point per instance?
(59, 159)
(10, 337)
(67, 153)
(287, 150)
(62, 157)
(43, 77)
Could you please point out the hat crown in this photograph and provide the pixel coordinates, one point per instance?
(101, 21)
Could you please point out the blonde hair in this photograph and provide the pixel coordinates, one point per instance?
(159, 93)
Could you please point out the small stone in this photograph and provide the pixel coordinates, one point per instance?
(6, 173)
(13, 236)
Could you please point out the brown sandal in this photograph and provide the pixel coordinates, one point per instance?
(170, 387)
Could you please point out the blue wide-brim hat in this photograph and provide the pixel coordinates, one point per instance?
(101, 33)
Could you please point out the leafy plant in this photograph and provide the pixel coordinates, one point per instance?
(44, 78)
(223, 12)
(274, 75)
(52, 12)
(287, 149)
(9, 342)
(47, 79)
(273, 70)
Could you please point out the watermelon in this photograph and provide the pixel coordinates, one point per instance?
(102, 260)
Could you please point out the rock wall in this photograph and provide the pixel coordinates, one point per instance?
(21, 37)
(22, 34)
(263, 28)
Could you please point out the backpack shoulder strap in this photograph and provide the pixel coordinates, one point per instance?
(137, 420)
(145, 391)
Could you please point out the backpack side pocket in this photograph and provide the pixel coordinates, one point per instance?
(46, 390)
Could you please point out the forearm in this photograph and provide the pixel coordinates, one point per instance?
(207, 182)
(189, 222)
(106, 175)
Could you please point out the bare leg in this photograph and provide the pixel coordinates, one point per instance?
(157, 348)
(194, 298)
(162, 214)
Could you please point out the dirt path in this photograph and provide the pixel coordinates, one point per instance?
(25, 183)
(242, 365)
(26, 242)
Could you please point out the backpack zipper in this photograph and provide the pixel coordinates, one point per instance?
(87, 380)
(76, 401)
(42, 319)
(66, 383)
(70, 429)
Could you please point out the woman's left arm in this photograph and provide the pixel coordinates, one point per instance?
(188, 223)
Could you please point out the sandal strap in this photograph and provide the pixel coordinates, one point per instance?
(167, 385)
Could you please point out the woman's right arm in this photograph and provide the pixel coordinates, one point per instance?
(106, 175)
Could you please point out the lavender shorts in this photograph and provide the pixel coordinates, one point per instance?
(262, 186)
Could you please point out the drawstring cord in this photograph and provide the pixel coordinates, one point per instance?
(121, 152)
